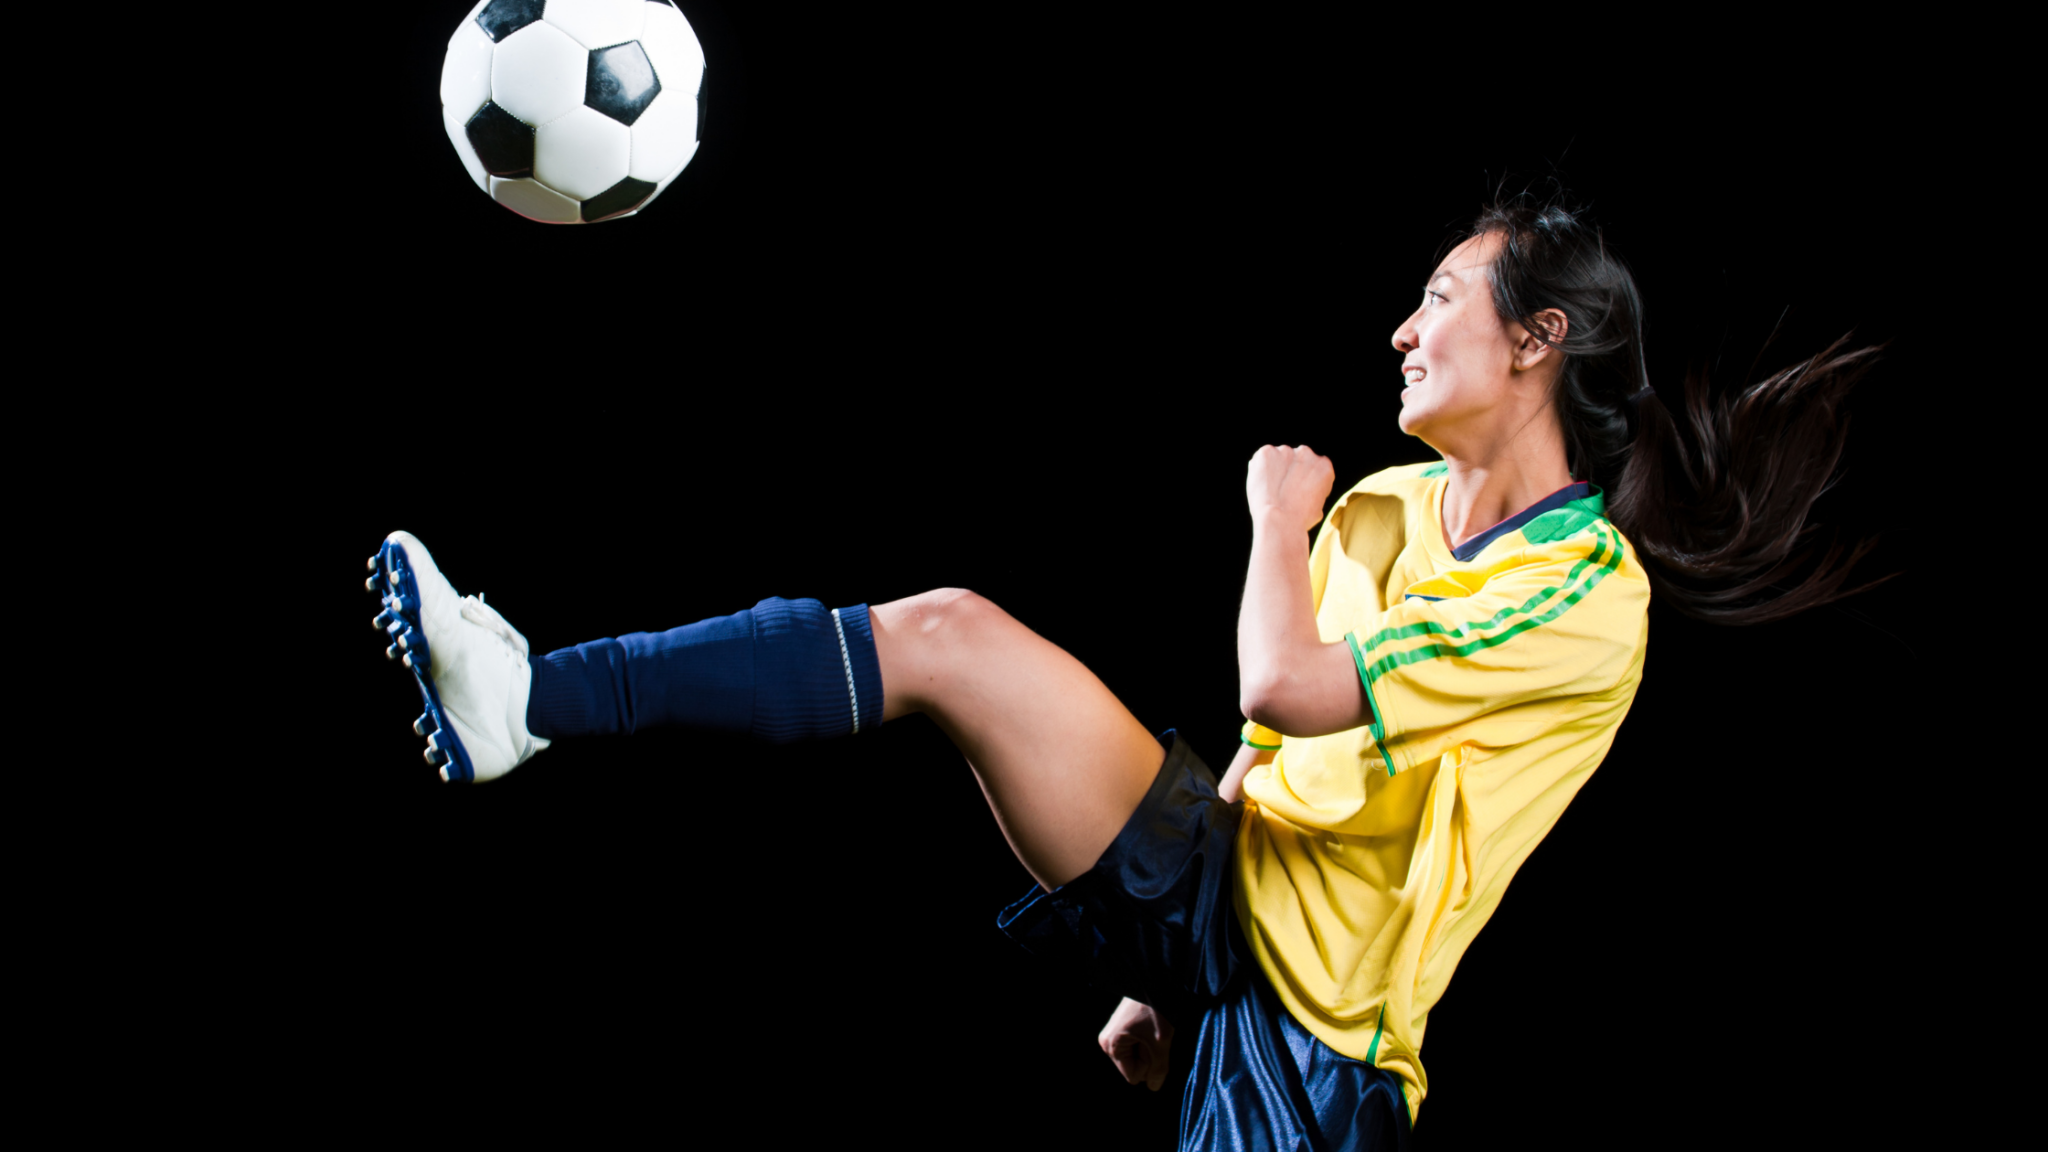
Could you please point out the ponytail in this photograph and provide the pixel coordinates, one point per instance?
(1714, 487)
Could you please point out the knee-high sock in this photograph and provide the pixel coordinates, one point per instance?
(783, 670)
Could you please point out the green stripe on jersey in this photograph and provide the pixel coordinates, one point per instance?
(1603, 561)
(1377, 1030)
(1608, 562)
(1379, 724)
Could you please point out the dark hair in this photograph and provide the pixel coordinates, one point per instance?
(1713, 486)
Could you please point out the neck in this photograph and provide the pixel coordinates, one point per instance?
(1484, 489)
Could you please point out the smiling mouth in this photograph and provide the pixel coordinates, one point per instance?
(1413, 376)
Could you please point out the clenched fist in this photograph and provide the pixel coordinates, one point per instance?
(1136, 1039)
(1288, 484)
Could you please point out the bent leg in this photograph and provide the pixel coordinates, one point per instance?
(1062, 762)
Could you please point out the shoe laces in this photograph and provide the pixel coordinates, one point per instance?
(484, 616)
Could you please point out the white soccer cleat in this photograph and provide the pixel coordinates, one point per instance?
(470, 664)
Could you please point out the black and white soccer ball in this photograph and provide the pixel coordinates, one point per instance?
(573, 111)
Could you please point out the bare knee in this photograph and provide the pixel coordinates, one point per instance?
(946, 616)
(923, 641)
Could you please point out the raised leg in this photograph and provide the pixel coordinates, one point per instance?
(1062, 762)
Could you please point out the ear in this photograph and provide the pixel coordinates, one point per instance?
(1532, 350)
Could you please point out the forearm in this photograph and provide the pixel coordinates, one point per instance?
(1277, 611)
(1288, 678)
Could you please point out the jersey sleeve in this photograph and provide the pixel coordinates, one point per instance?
(1553, 622)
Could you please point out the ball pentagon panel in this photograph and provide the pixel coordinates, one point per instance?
(598, 23)
(621, 82)
(459, 137)
(501, 18)
(621, 199)
(470, 21)
(503, 142)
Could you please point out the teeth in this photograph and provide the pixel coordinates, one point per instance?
(1413, 375)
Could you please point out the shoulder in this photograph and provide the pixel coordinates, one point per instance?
(1400, 480)
(1403, 484)
(1578, 530)
(1585, 552)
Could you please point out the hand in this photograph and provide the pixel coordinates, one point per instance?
(1136, 1039)
(1289, 483)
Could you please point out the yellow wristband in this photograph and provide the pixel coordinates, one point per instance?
(1262, 738)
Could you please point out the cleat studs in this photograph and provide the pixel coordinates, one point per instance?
(406, 659)
(402, 645)
(382, 621)
(394, 577)
(391, 653)
(373, 563)
(424, 726)
(370, 585)
(444, 774)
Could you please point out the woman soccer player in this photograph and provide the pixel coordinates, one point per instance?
(1427, 687)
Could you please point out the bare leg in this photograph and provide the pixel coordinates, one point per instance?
(1062, 762)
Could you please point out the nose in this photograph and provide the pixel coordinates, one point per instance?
(1406, 338)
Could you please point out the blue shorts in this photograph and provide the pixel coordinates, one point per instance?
(1153, 921)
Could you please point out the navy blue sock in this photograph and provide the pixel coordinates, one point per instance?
(783, 670)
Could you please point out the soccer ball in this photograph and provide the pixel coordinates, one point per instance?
(573, 111)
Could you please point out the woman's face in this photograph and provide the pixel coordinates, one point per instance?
(1460, 360)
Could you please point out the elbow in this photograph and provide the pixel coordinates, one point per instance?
(1260, 700)
(1312, 696)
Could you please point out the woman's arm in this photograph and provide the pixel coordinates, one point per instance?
(1288, 679)
(1248, 758)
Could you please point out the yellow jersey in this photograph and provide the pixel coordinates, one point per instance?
(1498, 673)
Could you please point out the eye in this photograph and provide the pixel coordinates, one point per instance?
(1427, 295)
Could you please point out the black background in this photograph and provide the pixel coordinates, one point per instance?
(1005, 300)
